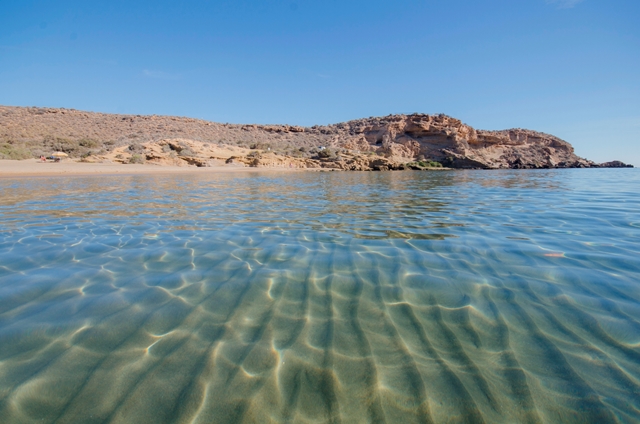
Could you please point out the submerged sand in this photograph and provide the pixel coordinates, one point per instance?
(352, 298)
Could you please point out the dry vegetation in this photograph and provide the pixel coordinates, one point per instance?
(31, 131)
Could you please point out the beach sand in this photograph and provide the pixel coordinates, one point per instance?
(33, 167)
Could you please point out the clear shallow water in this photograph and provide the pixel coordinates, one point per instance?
(321, 297)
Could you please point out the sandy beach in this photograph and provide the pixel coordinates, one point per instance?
(33, 168)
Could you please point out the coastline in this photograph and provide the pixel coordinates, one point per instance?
(69, 167)
(34, 168)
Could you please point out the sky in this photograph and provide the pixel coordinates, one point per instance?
(565, 67)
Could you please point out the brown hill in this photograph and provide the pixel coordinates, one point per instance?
(391, 142)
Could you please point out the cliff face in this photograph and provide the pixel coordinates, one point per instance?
(391, 142)
(457, 145)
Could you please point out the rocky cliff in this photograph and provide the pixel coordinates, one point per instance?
(454, 144)
(391, 142)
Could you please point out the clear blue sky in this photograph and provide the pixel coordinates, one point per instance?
(566, 67)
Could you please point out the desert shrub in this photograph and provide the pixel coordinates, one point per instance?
(88, 143)
(136, 158)
(60, 144)
(167, 149)
(257, 146)
(136, 148)
(427, 164)
(326, 154)
(186, 152)
(8, 151)
(37, 152)
(74, 148)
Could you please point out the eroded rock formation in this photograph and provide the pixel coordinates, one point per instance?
(457, 145)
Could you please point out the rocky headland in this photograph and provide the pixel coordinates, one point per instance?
(392, 142)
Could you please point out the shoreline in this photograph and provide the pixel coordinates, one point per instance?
(34, 168)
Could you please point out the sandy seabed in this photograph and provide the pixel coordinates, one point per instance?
(398, 297)
(32, 167)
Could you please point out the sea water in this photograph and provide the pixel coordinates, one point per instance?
(306, 297)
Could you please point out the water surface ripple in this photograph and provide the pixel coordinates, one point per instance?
(403, 297)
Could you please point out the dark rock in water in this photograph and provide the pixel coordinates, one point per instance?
(458, 161)
(614, 164)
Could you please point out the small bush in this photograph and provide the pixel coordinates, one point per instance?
(7, 151)
(326, 154)
(136, 158)
(136, 148)
(427, 164)
(186, 152)
(37, 152)
(88, 143)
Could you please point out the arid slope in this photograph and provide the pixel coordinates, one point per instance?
(391, 142)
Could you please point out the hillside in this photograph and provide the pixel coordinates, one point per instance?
(391, 142)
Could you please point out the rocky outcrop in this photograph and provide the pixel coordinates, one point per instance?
(390, 142)
(614, 164)
(457, 145)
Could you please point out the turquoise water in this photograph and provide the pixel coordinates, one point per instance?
(468, 296)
